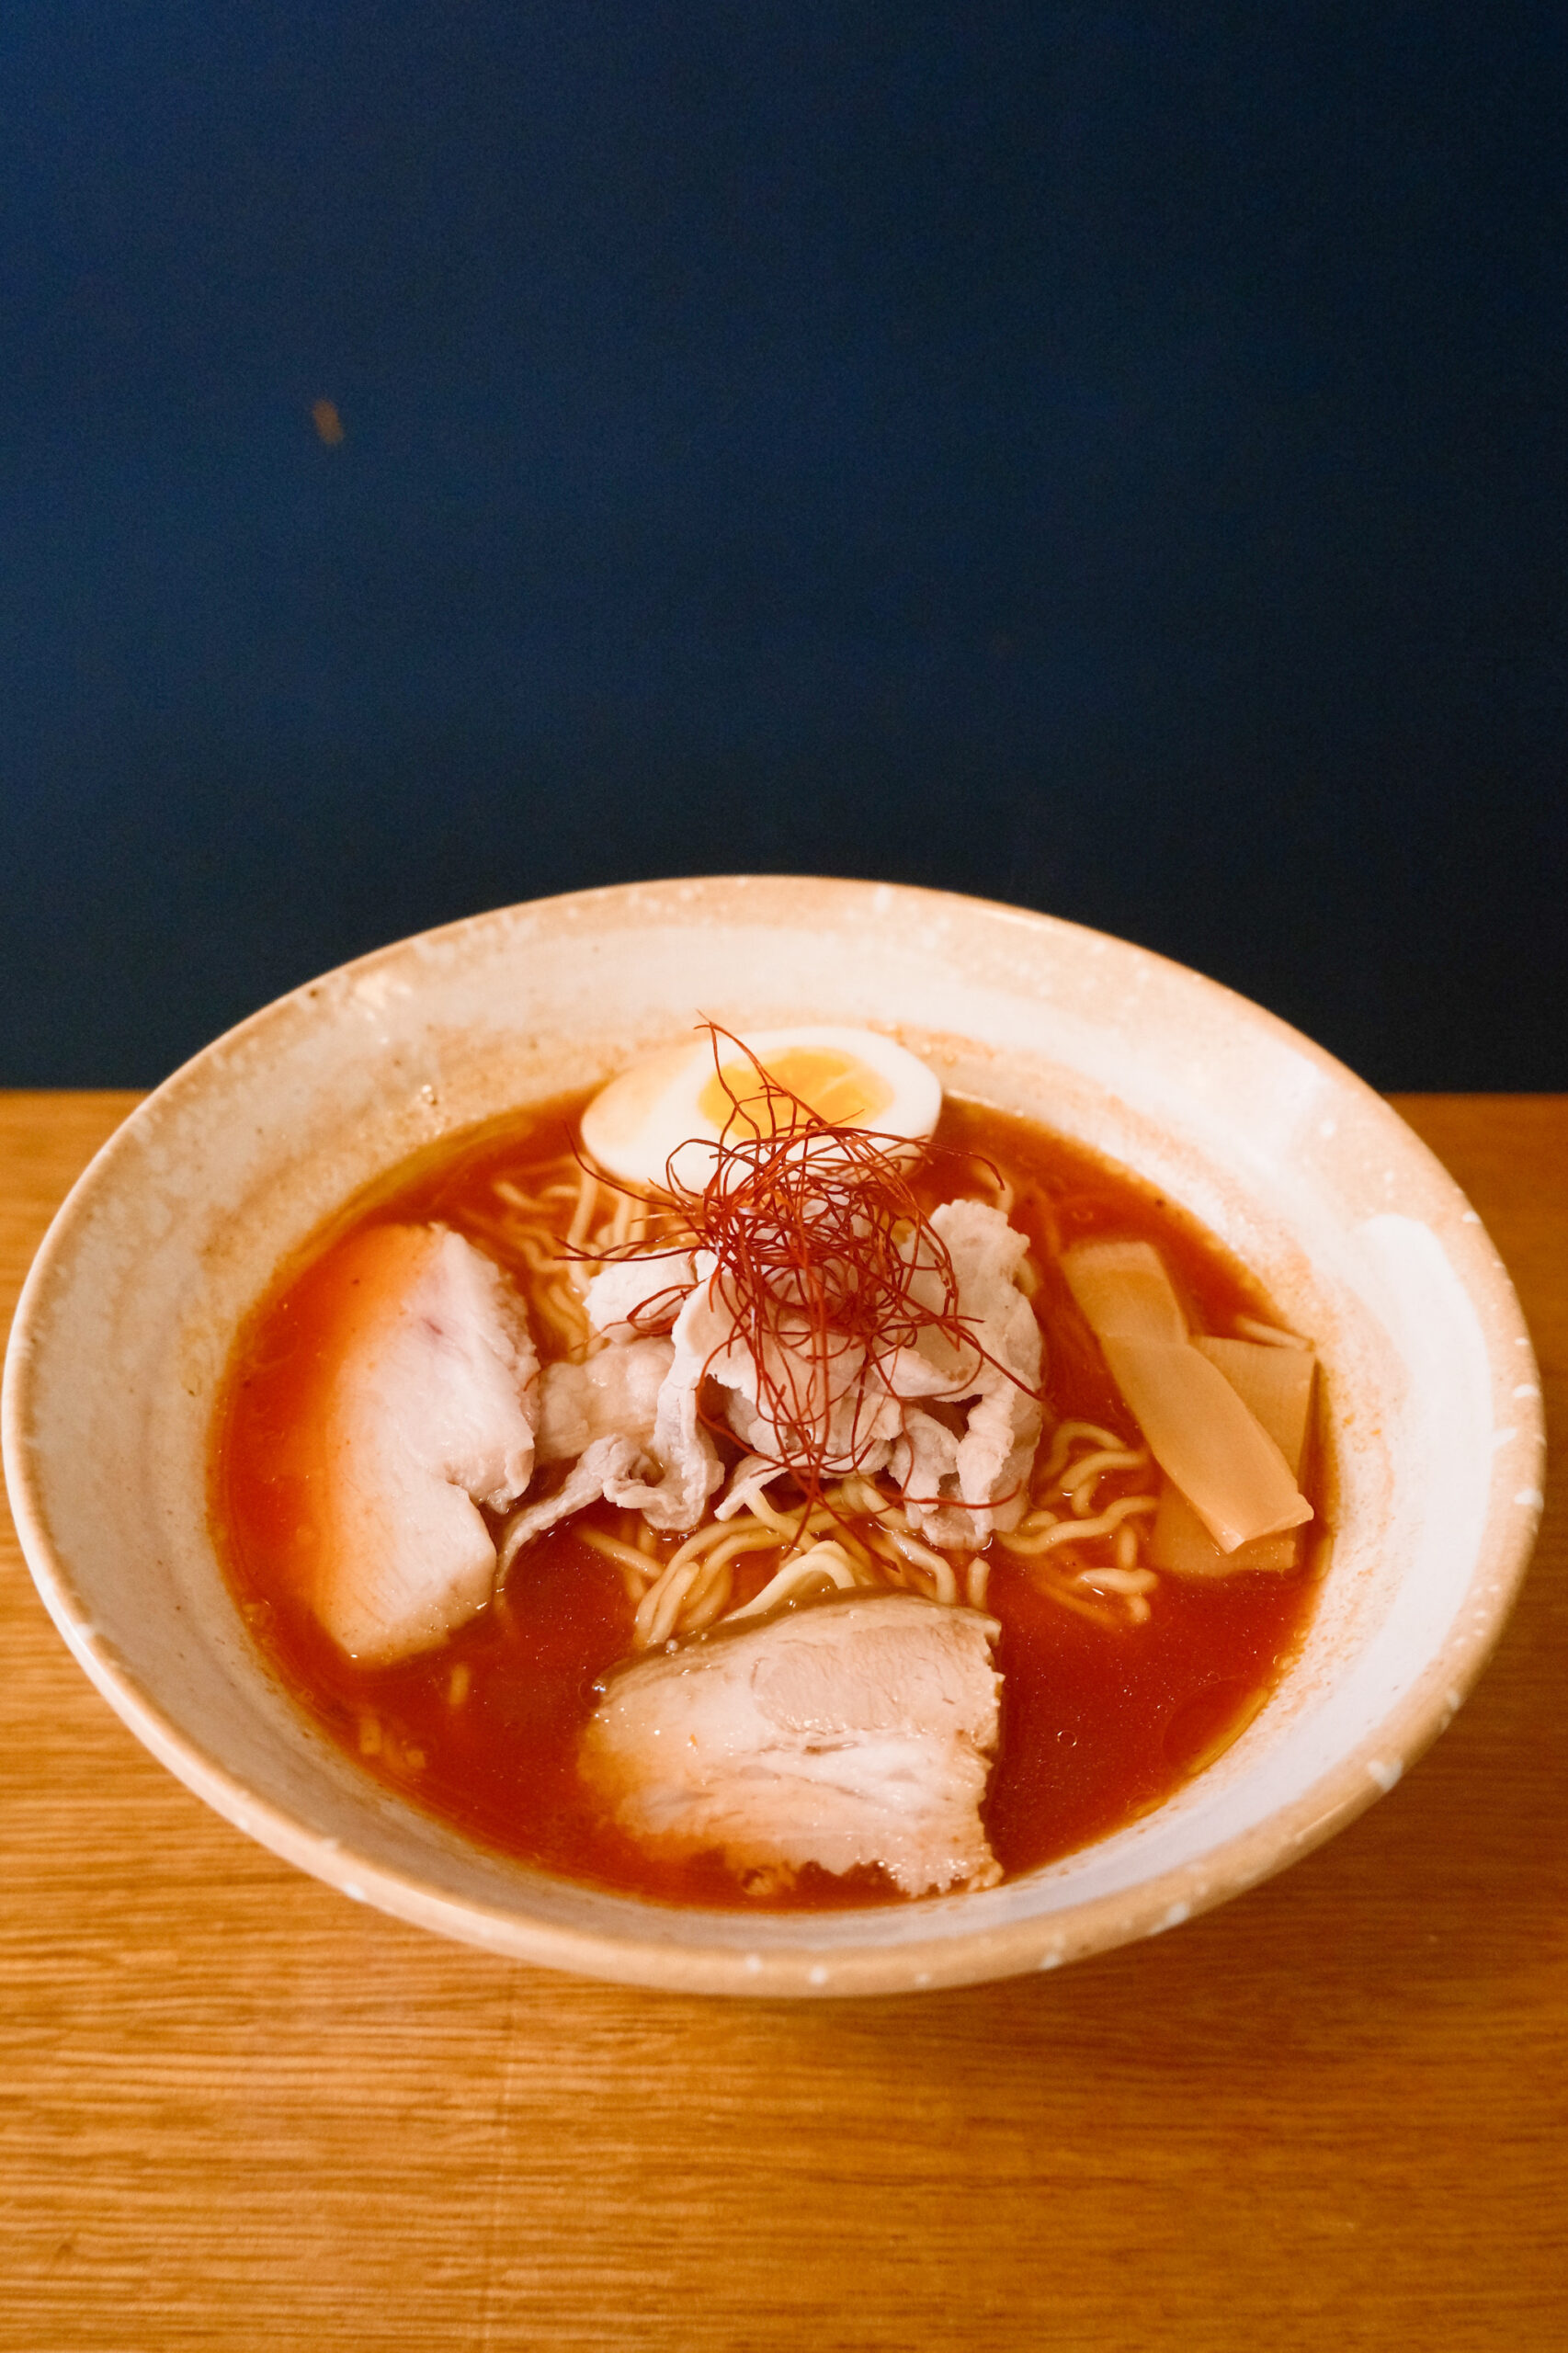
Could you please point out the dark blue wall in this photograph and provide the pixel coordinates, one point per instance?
(1110, 457)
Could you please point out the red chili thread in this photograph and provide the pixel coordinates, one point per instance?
(819, 1238)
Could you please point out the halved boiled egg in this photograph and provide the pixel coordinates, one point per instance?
(664, 1115)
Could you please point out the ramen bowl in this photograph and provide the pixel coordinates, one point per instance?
(1359, 1237)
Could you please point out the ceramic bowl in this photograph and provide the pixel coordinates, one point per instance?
(1356, 1232)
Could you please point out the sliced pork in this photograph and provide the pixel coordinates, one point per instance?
(673, 1492)
(614, 1394)
(847, 1733)
(793, 1389)
(428, 1413)
(633, 1412)
(631, 1296)
(607, 1462)
(966, 1476)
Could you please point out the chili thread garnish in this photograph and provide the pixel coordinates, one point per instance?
(827, 1266)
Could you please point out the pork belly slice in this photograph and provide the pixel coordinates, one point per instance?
(428, 1413)
(847, 1733)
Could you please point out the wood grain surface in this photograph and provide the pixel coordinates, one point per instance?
(237, 2110)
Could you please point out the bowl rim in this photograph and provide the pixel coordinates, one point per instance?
(728, 1964)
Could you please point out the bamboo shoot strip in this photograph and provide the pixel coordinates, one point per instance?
(1195, 1424)
(1124, 1291)
(1276, 1385)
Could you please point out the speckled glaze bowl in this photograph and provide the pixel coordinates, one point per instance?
(1358, 1234)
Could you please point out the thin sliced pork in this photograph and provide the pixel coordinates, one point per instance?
(614, 1394)
(656, 1458)
(964, 1485)
(854, 1417)
(631, 1297)
(846, 1734)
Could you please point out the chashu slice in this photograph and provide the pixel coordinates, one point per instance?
(847, 1733)
(427, 1414)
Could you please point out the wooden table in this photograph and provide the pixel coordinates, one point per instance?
(238, 2110)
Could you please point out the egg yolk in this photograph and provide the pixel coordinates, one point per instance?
(837, 1087)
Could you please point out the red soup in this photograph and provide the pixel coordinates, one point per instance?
(1110, 1701)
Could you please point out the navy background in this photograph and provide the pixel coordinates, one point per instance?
(1108, 457)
